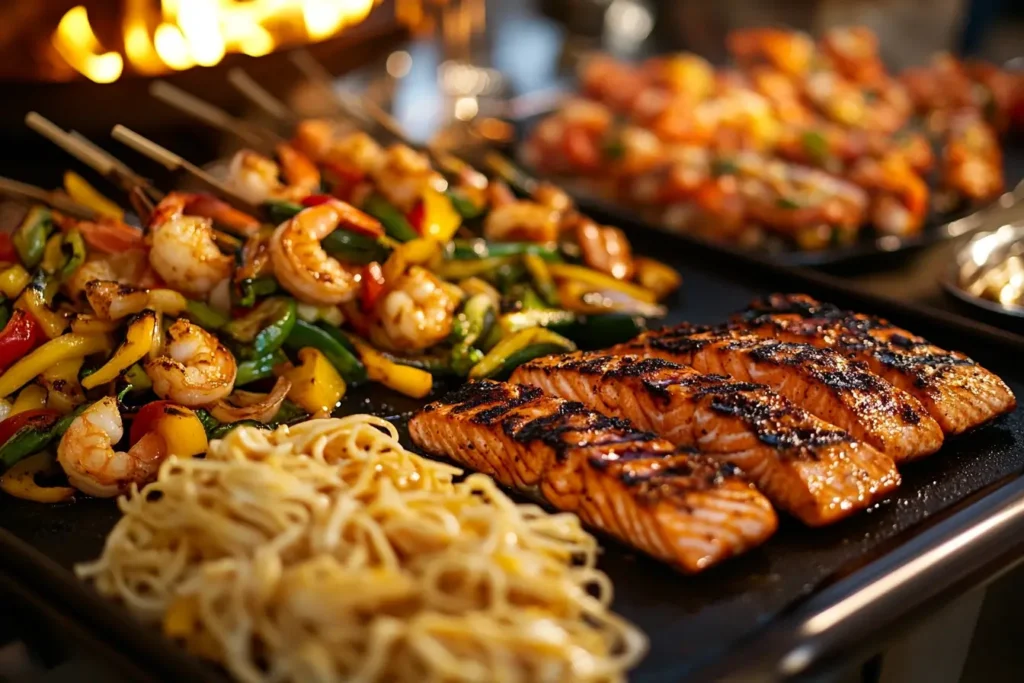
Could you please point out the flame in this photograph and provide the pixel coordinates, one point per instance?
(173, 35)
(79, 46)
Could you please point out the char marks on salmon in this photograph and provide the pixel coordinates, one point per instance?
(675, 504)
(806, 466)
(822, 382)
(957, 392)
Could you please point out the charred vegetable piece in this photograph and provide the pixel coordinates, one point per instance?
(20, 335)
(30, 237)
(264, 329)
(32, 431)
(251, 289)
(334, 346)
(317, 386)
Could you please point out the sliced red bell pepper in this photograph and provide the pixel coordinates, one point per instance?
(373, 286)
(42, 418)
(8, 254)
(416, 216)
(146, 419)
(316, 200)
(21, 334)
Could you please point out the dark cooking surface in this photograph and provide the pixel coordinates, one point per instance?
(690, 620)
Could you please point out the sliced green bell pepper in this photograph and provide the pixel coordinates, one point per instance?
(263, 330)
(30, 237)
(253, 370)
(333, 344)
(396, 225)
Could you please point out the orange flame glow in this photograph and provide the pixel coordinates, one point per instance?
(174, 35)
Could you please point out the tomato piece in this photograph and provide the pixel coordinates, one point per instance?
(146, 419)
(373, 286)
(42, 418)
(21, 334)
(8, 254)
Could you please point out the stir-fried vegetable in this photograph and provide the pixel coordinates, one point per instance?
(316, 385)
(517, 349)
(263, 330)
(333, 344)
(30, 237)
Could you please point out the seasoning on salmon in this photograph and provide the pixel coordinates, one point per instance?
(821, 381)
(806, 466)
(957, 392)
(674, 504)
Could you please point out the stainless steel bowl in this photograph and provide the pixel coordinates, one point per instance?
(988, 270)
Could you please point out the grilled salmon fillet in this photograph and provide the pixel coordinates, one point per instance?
(676, 505)
(957, 392)
(821, 381)
(806, 466)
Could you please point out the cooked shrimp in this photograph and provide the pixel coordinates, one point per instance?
(404, 175)
(522, 220)
(86, 452)
(128, 268)
(254, 176)
(357, 152)
(183, 249)
(258, 178)
(195, 370)
(416, 312)
(300, 263)
(789, 51)
(113, 301)
(299, 172)
(854, 53)
(605, 248)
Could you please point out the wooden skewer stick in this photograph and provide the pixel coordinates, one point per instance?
(173, 162)
(91, 155)
(250, 134)
(261, 97)
(315, 73)
(19, 190)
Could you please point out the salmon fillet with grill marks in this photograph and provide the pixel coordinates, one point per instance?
(674, 504)
(808, 467)
(956, 391)
(821, 381)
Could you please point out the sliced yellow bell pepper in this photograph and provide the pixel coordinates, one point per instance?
(20, 480)
(515, 350)
(402, 378)
(53, 257)
(137, 343)
(656, 276)
(316, 385)
(64, 391)
(181, 617)
(418, 252)
(440, 219)
(86, 323)
(13, 281)
(34, 301)
(600, 281)
(49, 354)
(182, 432)
(32, 397)
(79, 189)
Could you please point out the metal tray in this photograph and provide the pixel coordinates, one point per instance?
(791, 607)
(869, 251)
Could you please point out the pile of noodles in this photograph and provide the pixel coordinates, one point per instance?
(327, 552)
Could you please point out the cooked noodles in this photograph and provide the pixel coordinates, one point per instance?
(328, 552)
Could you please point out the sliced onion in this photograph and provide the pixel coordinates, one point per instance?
(249, 405)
